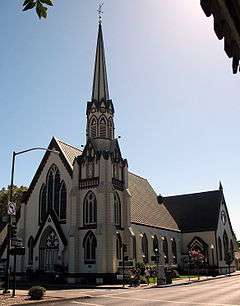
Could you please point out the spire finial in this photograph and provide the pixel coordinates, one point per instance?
(100, 12)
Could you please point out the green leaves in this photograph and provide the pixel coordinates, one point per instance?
(41, 8)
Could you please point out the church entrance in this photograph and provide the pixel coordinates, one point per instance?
(48, 250)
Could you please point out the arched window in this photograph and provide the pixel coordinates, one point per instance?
(145, 248)
(134, 247)
(174, 250)
(118, 247)
(231, 246)
(57, 185)
(155, 245)
(43, 203)
(220, 248)
(50, 189)
(90, 244)
(90, 209)
(225, 243)
(110, 128)
(165, 249)
(63, 202)
(30, 250)
(93, 128)
(117, 210)
(102, 128)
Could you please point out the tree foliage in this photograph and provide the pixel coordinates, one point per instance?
(41, 6)
(4, 198)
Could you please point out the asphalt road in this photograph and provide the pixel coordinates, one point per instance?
(218, 292)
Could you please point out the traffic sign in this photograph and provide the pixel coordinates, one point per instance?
(11, 208)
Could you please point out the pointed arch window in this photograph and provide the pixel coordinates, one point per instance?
(145, 248)
(118, 247)
(43, 203)
(220, 248)
(117, 210)
(90, 245)
(30, 250)
(110, 128)
(174, 250)
(155, 245)
(90, 209)
(165, 249)
(134, 247)
(93, 128)
(63, 202)
(225, 243)
(53, 196)
(102, 128)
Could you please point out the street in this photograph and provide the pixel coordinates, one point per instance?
(219, 292)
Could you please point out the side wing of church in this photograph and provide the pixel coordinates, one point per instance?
(84, 209)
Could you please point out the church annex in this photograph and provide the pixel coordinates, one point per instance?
(83, 206)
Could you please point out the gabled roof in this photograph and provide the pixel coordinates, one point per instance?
(145, 208)
(195, 212)
(67, 154)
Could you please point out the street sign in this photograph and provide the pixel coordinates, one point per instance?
(17, 243)
(11, 209)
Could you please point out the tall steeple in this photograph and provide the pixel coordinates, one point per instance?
(100, 110)
(100, 83)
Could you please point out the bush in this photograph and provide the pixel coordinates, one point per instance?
(36, 292)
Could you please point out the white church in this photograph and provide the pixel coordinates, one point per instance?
(82, 206)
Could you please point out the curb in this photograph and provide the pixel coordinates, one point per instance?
(195, 281)
(56, 300)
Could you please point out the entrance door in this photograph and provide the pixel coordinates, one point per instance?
(48, 250)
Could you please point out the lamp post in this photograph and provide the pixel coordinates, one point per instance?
(12, 220)
(212, 249)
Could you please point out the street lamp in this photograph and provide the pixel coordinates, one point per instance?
(12, 220)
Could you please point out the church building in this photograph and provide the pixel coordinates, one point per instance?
(83, 207)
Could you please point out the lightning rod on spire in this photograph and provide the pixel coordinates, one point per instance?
(100, 12)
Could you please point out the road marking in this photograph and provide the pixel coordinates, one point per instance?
(164, 301)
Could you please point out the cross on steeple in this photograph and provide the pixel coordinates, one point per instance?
(100, 12)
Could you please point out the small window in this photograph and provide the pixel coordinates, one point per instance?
(90, 209)
(90, 244)
(117, 210)
(102, 128)
(155, 245)
(145, 248)
(165, 249)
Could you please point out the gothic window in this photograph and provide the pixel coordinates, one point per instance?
(220, 248)
(93, 128)
(165, 249)
(63, 202)
(102, 128)
(90, 244)
(57, 182)
(225, 243)
(231, 246)
(30, 250)
(116, 171)
(155, 245)
(117, 209)
(43, 203)
(118, 247)
(90, 209)
(174, 250)
(134, 247)
(145, 248)
(110, 128)
(53, 196)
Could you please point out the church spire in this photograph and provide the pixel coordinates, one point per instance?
(100, 83)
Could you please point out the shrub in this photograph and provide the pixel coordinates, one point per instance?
(36, 292)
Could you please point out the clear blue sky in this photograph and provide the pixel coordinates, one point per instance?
(177, 103)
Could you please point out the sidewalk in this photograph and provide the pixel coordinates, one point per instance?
(71, 294)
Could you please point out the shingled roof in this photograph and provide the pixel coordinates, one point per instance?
(195, 212)
(145, 208)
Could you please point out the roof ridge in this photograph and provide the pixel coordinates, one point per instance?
(59, 140)
(143, 178)
(189, 194)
